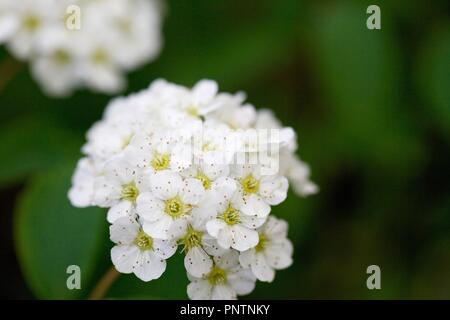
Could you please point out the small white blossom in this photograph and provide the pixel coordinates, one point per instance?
(136, 252)
(118, 187)
(225, 281)
(260, 191)
(273, 251)
(171, 198)
(232, 227)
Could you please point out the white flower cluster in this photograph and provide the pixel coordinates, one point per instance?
(75, 43)
(164, 163)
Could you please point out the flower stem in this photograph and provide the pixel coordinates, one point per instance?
(104, 284)
(9, 68)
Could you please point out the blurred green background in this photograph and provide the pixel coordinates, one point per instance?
(372, 111)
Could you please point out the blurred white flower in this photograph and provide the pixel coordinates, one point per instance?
(151, 161)
(114, 37)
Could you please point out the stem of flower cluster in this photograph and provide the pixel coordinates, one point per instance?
(9, 68)
(104, 284)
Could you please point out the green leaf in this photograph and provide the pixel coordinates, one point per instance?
(33, 144)
(434, 77)
(51, 234)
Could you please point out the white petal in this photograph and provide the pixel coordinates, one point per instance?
(82, 191)
(124, 230)
(225, 238)
(149, 207)
(225, 187)
(279, 254)
(180, 157)
(255, 206)
(246, 258)
(120, 170)
(213, 171)
(204, 91)
(192, 191)
(211, 246)
(206, 212)
(149, 266)
(107, 192)
(261, 269)
(274, 190)
(223, 292)
(8, 26)
(197, 262)
(229, 260)
(178, 228)
(166, 184)
(164, 249)
(276, 228)
(159, 228)
(243, 238)
(214, 226)
(252, 222)
(120, 210)
(124, 257)
(104, 79)
(199, 290)
(243, 281)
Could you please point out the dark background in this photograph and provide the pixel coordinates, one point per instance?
(372, 112)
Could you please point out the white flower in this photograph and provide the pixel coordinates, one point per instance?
(225, 281)
(163, 150)
(260, 191)
(171, 198)
(118, 187)
(273, 252)
(136, 252)
(232, 227)
(299, 173)
(111, 136)
(198, 246)
(199, 101)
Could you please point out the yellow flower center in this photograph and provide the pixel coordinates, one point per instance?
(193, 238)
(192, 111)
(130, 192)
(31, 22)
(231, 216)
(174, 207)
(217, 276)
(143, 241)
(204, 180)
(207, 147)
(262, 242)
(61, 57)
(100, 56)
(250, 184)
(160, 161)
